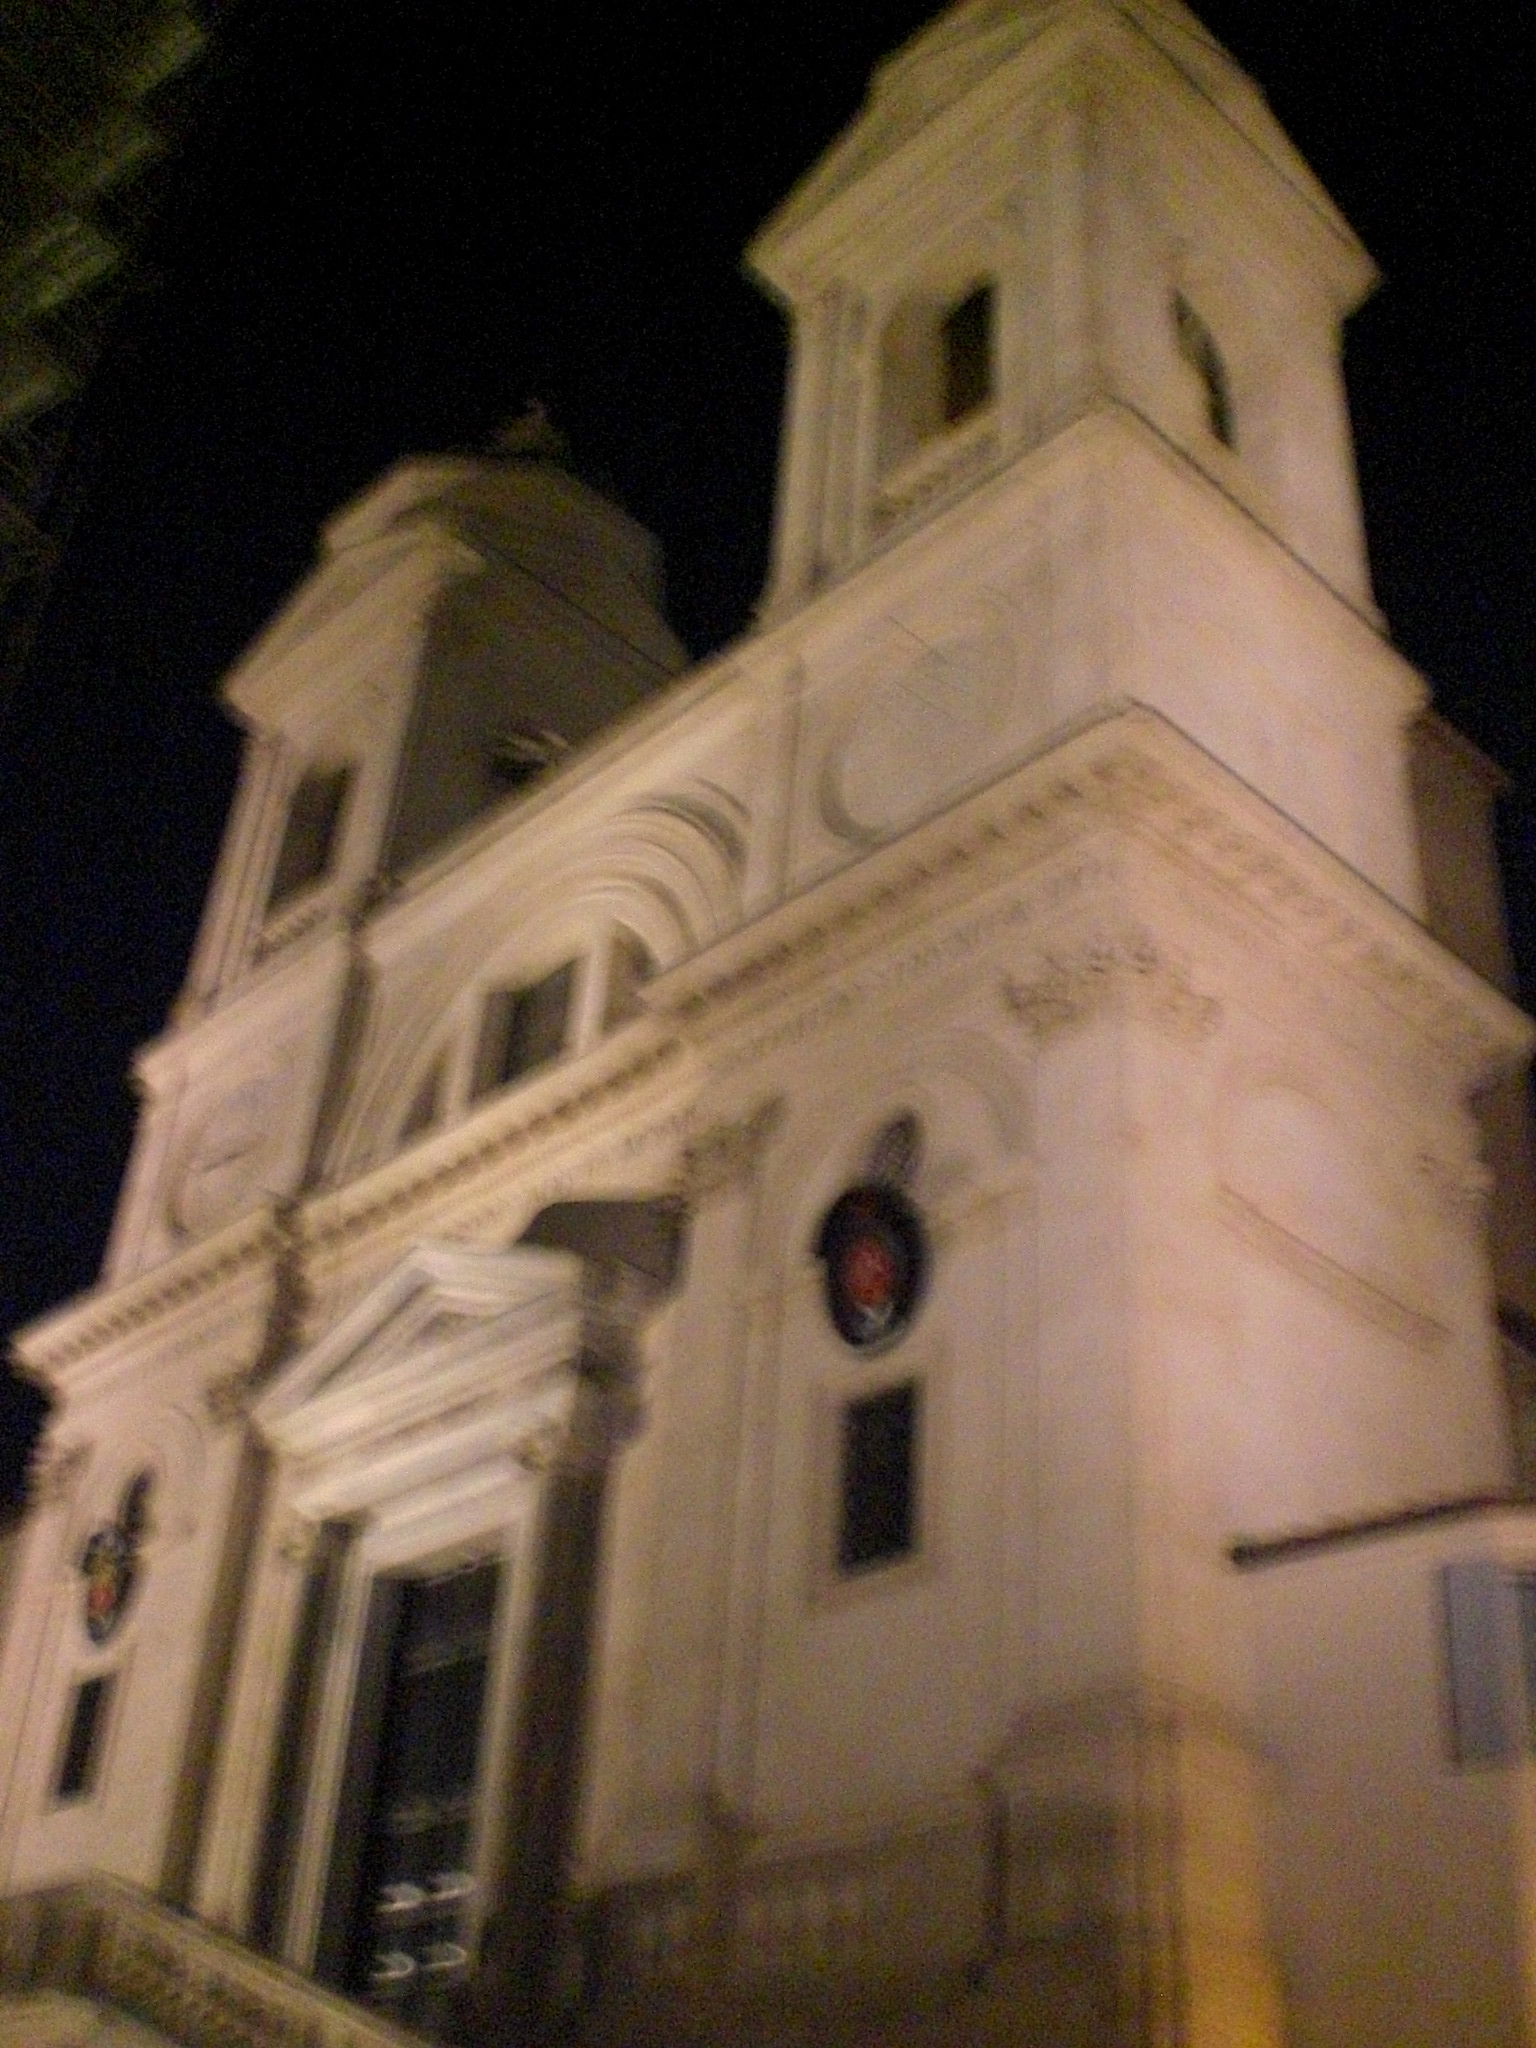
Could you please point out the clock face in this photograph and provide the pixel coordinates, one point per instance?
(875, 1260)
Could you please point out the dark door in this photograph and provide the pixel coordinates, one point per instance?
(402, 1885)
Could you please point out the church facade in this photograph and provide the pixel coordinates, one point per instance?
(806, 1351)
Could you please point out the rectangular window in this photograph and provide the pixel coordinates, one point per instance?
(309, 836)
(83, 1740)
(965, 337)
(522, 1029)
(878, 1495)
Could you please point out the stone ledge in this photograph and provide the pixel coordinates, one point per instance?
(102, 1942)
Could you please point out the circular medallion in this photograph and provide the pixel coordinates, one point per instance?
(922, 719)
(108, 1564)
(875, 1257)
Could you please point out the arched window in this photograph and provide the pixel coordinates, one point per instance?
(965, 341)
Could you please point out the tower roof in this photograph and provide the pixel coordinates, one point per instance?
(941, 63)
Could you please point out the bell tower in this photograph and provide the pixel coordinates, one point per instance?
(1043, 211)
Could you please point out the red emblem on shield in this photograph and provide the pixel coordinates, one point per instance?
(876, 1261)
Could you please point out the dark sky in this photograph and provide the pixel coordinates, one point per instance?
(399, 218)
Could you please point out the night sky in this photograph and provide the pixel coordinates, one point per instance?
(399, 219)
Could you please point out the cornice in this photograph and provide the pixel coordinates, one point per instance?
(1128, 767)
(46, 1351)
(1206, 818)
(526, 1116)
(910, 130)
(308, 641)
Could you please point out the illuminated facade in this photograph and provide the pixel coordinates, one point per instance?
(776, 1334)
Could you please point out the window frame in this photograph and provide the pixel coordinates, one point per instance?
(79, 1786)
(918, 367)
(840, 1385)
(506, 1009)
(327, 789)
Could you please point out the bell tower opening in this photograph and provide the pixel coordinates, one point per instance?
(936, 368)
(965, 340)
(310, 834)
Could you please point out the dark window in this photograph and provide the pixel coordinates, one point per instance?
(309, 837)
(1198, 347)
(83, 1739)
(877, 1520)
(522, 1029)
(965, 338)
(1490, 1645)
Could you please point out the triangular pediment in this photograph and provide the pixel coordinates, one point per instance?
(439, 1309)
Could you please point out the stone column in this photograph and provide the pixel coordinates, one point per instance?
(631, 1253)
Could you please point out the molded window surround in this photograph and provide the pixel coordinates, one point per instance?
(875, 1479)
(519, 1028)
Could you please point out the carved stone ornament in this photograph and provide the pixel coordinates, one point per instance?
(54, 1473)
(924, 717)
(536, 1449)
(728, 1153)
(110, 1563)
(1068, 988)
(874, 1256)
(224, 1398)
(297, 1540)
